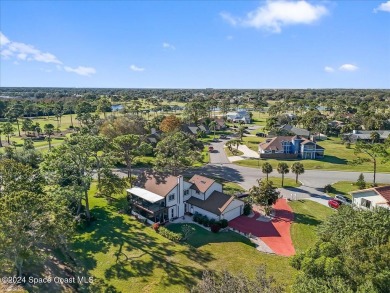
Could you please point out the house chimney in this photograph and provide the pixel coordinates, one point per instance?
(180, 200)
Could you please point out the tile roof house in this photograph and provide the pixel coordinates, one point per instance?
(289, 129)
(372, 197)
(365, 135)
(290, 147)
(161, 198)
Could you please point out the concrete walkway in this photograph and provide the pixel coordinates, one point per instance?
(247, 154)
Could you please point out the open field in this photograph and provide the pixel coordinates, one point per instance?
(123, 253)
(307, 216)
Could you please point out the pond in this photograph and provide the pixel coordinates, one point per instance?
(116, 107)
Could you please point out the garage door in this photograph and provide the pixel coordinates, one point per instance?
(232, 214)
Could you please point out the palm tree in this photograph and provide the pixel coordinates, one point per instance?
(49, 131)
(283, 169)
(213, 127)
(297, 168)
(266, 169)
(241, 131)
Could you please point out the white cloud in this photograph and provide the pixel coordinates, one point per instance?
(136, 68)
(29, 52)
(6, 54)
(348, 67)
(168, 46)
(26, 52)
(383, 7)
(275, 14)
(329, 69)
(81, 70)
(3, 40)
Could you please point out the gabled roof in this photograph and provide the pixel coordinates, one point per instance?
(384, 191)
(190, 128)
(201, 183)
(216, 203)
(156, 183)
(276, 143)
(295, 130)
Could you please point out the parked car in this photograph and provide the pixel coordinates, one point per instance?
(261, 134)
(343, 199)
(334, 203)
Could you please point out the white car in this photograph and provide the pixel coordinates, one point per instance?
(343, 199)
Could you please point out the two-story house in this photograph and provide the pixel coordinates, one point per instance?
(290, 147)
(163, 198)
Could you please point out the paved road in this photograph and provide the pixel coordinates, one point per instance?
(218, 156)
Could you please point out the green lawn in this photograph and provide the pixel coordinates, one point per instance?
(252, 142)
(307, 216)
(122, 253)
(288, 182)
(345, 187)
(337, 158)
(234, 153)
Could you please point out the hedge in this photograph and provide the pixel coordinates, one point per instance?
(169, 234)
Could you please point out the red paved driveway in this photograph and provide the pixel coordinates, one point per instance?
(276, 233)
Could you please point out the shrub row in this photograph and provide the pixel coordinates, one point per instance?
(169, 234)
(212, 223)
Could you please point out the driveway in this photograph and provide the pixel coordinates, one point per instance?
(218, 156)
(275, 234)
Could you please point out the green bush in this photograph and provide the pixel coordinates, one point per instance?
(223, 223)
(212, 222)
(169, 234)
(247, 209)
(205, 221)
(215, 228)
(196, 217)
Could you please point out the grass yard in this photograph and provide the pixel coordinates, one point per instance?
(122, 253)
(252, 142)
(234, 153)
(345, 187)
(307, 216)
(288, 182)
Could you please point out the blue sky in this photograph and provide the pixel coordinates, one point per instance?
(190, 44)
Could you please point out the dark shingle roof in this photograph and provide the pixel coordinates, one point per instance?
(216, 203)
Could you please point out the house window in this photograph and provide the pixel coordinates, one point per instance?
(197, 191)
(186, 192)
(171, 197)
(172, 213)
(366, 203)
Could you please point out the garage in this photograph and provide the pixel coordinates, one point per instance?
(218, 206)
(233, 213)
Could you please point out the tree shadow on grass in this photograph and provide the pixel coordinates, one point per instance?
(136, 253)
(306, 219)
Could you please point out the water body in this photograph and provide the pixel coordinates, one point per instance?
(115, 108)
